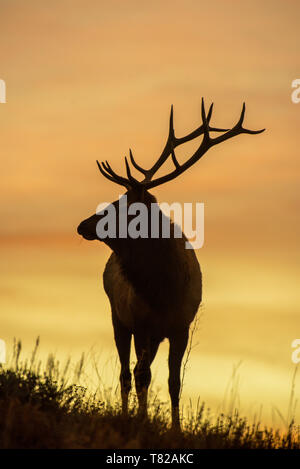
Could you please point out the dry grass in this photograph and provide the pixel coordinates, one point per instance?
(41, 407)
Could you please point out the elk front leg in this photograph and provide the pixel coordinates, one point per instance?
(123, 341)
(178, 343)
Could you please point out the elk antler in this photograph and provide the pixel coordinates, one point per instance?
(171, 144)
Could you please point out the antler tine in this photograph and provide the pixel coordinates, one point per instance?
(104, 173)
(173, 142)
(205, 121)
(131, 179)
(236, 130)
(241, 119)
(209, 111)
(174, 159)
(137, 166)
(239, 125)
(171, 136)
(205, 145)
(111, 175)
(170, 144)
(109, 169)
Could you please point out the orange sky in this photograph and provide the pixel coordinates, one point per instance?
(87, 79)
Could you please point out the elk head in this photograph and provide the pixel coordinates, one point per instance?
(137, 191)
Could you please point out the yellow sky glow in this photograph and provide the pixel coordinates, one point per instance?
(86, 80)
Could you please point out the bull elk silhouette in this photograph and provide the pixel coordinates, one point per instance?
(154, 284)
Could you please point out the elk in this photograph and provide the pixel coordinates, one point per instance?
(154, 285)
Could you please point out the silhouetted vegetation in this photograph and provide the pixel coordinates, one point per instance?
(39, 409)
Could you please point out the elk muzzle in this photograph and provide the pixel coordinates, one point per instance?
(87, 228)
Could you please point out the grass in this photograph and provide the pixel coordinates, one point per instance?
(41, 407)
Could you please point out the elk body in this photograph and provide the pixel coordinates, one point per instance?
(154, 284)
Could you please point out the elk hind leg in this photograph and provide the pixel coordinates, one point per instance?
(178, 343)
(123, 342)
